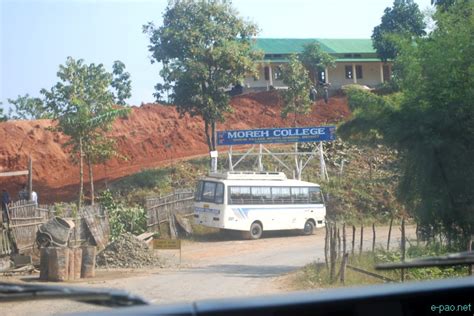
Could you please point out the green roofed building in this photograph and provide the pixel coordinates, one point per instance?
(356, 62)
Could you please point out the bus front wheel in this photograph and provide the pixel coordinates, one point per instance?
(308, 228)
(255, 231)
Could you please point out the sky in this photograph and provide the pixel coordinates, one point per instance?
(36, 36)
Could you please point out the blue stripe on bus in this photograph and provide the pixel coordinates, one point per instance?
(243, 212)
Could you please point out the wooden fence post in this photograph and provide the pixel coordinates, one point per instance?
(403, 250)
(326, 242)
(333, 253)
(344, 238)
(353, 238)
(30, 177)
(389, 234)
(361, 238)
(338, 243)
(343, 268)
(373, 237)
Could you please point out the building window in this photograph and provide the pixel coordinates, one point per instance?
(278, 73)
(348, 72)
(267, 73)
(359, 71)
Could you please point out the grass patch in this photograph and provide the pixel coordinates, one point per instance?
(317, 275)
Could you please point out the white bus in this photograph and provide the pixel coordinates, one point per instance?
(256, 201)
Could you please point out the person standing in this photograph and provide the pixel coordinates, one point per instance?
(23, 194)
(34, 197)
(326, 93)
(5, 201)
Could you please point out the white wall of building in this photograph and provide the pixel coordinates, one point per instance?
(371, 76)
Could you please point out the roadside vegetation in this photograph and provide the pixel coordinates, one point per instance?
(425, 116)
(317, 275)
(429, 121)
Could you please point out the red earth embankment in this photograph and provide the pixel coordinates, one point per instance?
(150, 136)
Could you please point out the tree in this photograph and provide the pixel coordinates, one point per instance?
(404, 19)
(28, 108)
(296, 98)
(83, 106)
(442, 4)
(431, 122)
(205, 48)
(121, 83)
(316, 60)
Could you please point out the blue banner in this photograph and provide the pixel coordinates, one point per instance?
(276, 135)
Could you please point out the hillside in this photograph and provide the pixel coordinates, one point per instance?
(151, 136)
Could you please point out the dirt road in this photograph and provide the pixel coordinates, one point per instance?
(212, 269)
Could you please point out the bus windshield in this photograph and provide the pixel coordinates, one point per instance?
(210, 191)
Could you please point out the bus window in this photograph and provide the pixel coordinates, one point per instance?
(315, 196)
(219, 193)
(239, 195)
(281, 195)
(261, 195)
(300, 195)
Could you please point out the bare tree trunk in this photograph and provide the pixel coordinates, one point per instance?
(91, 179)
(361, 239)
(208, 137)
(213, 139)
(81, 174)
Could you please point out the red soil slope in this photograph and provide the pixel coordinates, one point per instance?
(151, 135)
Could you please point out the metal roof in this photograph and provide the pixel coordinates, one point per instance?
(295, 45)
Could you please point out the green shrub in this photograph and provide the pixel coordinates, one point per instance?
(123, 218)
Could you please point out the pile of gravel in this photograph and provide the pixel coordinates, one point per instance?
(127, 251)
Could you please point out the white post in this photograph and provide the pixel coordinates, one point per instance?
(260, 165)
(297, 167)
(381, 72)
(300, 169)
(270, 73)
(229, 154)
(321, 161)
(326, 75)
(354, 75)
(213, 160)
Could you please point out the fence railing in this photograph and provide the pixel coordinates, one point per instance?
(5, 243)
(25, 219)
(164, 209)
(91, 224)
(343, 240)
